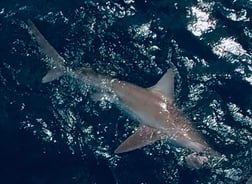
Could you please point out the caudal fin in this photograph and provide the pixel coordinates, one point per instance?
(52, 75)
(56, 62)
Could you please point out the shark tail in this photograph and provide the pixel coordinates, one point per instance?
(52, 75)
(56, 62)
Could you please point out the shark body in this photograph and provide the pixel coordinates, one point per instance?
(154, 108)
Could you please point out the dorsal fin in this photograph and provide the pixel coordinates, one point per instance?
(165, 85)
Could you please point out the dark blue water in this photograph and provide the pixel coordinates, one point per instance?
(55, 133)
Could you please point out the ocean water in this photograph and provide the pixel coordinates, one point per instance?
(56, 133)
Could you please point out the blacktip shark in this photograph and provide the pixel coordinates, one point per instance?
(154, 108)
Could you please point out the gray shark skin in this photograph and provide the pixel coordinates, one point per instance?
(154, 108)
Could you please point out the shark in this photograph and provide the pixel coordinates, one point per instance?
(154, 107)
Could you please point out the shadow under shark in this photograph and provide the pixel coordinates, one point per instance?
(154, 108)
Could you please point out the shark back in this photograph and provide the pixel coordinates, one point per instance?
(153, 107)
(158, 116)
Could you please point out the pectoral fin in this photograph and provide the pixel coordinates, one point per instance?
(143, 136)
(165, 86)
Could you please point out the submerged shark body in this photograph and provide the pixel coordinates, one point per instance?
(153, 107)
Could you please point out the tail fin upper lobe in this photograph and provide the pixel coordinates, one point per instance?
(56, 61)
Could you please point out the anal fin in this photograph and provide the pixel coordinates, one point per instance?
(143, 136)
